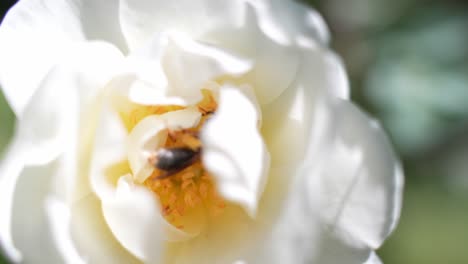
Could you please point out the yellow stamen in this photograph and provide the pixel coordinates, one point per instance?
(193, 187)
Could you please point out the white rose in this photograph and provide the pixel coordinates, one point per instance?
(279, 166)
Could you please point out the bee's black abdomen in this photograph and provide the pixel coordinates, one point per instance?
(175, 159)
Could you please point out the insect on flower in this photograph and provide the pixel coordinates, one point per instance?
(173, 160)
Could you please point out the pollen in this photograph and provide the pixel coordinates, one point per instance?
(192, 188)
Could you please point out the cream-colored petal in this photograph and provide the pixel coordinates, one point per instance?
(92, 236)
(150, 133)
(234, 152)
(129, 88)
(53, 113)
(49, 124)
(144, 93)
(275, 65)
(225, 240)
(285, 126)
(303, 200)
(361, 198)
(284, 21)
(107, 143)
(58, 215)
(302, 230)
(29, 221)
(291, 22)
(134, 218)
(322, 72)
(189, 65)
(149, 84)
(349, 188)
(36, 35)
(141, 19)
(12, 165)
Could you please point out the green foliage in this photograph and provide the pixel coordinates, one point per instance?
(7, 122)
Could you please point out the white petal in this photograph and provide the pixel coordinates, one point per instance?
(134, 217)
(234, 152)
(335, 74)
(291, 22)
(53, 112)
(286, 21)
(298, 196)
(225, 240)
(107, 143)
(141, 19)
(322, 72)
(49, 123)
(275, 65)
(92, 236)
(29, 221)
(361, 198)
(59, 218)
(285, 126)
(129, 88)
(150, 133)
(11, 165)
(135, 220)
(150, 83)
(189, 65)
(373, 259)
(35, 35)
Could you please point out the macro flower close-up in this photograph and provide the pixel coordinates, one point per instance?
(187, 131)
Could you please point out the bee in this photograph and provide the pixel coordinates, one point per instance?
(173, 160)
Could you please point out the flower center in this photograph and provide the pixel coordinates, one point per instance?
(179, 180)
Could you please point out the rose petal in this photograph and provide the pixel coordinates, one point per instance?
(35, 35)
(189, 65)
(285, 126)
(287, 20)
(141, 19)
(369, 206)
(92, 236)
(275, 65)
(129, 88)
(361, 198)
(233, 150)
(48, 125)
(29, 222)
(322, 72)
(108, 135)
(212, 246)
(291, 22)
(58, 215)
(53, 112)
(135, 220)
(12, 165)
(296, 234)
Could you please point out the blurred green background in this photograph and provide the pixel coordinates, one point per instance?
(408, 65)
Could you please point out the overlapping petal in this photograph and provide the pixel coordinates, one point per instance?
(36, 35)
(48, 127)
(234, 151)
